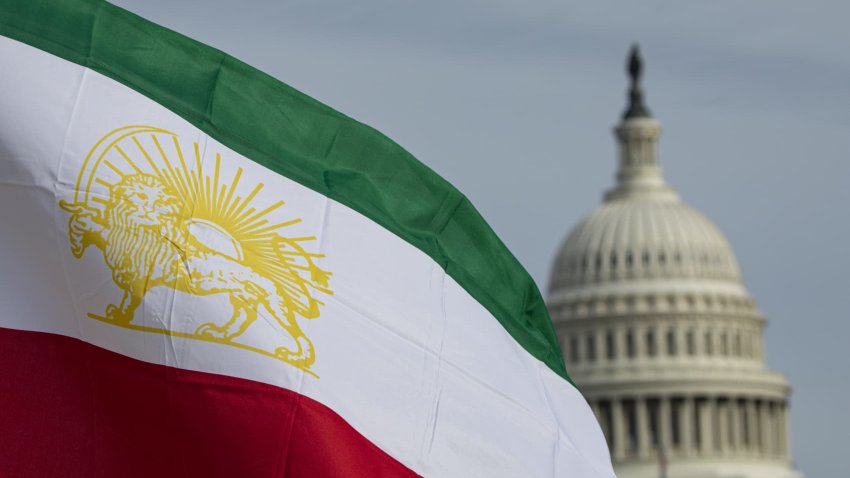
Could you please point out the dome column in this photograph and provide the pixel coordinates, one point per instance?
(766, 436)
(641, 409)
(752, 427)
(706, 432)
(618, 430)
(783, 430)
(723, 414)
(665, 429)
(686, 420)
(776, 413)
(735, 411)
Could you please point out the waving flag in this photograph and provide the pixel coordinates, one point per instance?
(204, 272)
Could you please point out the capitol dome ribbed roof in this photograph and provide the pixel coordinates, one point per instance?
(631, 238)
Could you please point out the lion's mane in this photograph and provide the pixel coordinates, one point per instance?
(134, 249)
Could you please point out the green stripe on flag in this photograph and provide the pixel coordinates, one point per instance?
(300, 138)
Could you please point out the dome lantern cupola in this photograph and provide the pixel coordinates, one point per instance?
(639, 173)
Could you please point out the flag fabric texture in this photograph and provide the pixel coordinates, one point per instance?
(204, 272)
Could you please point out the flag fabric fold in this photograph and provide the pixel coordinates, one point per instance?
(205, 271)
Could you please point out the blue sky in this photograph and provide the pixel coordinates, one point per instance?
(513, 102)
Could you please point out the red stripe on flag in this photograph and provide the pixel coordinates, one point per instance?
(70, 409)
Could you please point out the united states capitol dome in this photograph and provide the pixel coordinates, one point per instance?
(642, 232)
(659, 332)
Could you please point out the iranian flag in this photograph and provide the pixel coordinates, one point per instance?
(205, 273)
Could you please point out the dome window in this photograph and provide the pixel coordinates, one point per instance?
(630, 344)
(629, 259)
(709, 344)
(598, 262)
(671, 342)
(613, 260)
(610, 346)
(591, 348)
(662, 258)
(645, 258)
(690, 343)
(574, 356)
(651, 346)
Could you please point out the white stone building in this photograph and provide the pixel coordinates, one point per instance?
(659, 331)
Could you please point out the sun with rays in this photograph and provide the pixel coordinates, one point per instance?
(163, 217)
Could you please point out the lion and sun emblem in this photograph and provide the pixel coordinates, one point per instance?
(164, 218)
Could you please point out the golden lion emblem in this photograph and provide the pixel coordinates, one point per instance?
(143, 224)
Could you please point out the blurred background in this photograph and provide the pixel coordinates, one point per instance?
(514, 103)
